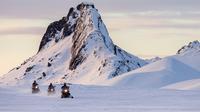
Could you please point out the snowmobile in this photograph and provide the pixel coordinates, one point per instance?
(35, 89)
(51, 90)
(66, 94)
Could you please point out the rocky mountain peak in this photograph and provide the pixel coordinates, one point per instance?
(81, 21)
(83, 5)
(65, 26)
(192, 47)
(77, 48)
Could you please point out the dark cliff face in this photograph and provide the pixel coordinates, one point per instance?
(72, 23)
(51, 31)
(78, 45)
(64, 24)
(57, 26)
(85, 24)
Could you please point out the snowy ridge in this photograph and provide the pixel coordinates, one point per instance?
(192, 47)
(158, 74)
(181, 71)
(76, 49)
(193, 84)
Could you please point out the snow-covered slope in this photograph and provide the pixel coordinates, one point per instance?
(190, 54)
(159, 74)
(184, 66)
(193, 84)
(75, 49)
(191, 48)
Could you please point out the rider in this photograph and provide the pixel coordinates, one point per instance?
(34, 84)
(66, 94)
(50, 87)
(35, 88)
(65, 87)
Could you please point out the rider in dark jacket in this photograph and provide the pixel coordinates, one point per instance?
(65, 94)
(34, 84)
(35, 88)
(65, 87)
(51, 87)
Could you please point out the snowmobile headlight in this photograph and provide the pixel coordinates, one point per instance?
(65, 90)
(36, 87)
(51, 89)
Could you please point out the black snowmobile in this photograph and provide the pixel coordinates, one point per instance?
(51, 89)
(65, 93)
(35, 87)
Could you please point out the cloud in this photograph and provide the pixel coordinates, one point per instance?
(23, 31)
(53, 9)
(132, 22)
(117, 15)
(45, 9)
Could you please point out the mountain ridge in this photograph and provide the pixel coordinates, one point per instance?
(180, 71)
(192, 47)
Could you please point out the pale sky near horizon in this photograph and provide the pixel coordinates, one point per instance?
(145, 28)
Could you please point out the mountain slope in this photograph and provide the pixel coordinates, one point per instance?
(75, 49)
(183, 67)
(190, 54)
(191, 48)
(157, 75)
(193, 84)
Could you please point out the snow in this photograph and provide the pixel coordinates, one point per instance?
(99, 99)
(88, 2)
(193, 84)
(192, 47)
(168, 85)
(160, 74)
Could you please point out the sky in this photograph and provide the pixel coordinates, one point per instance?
(146, 28)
